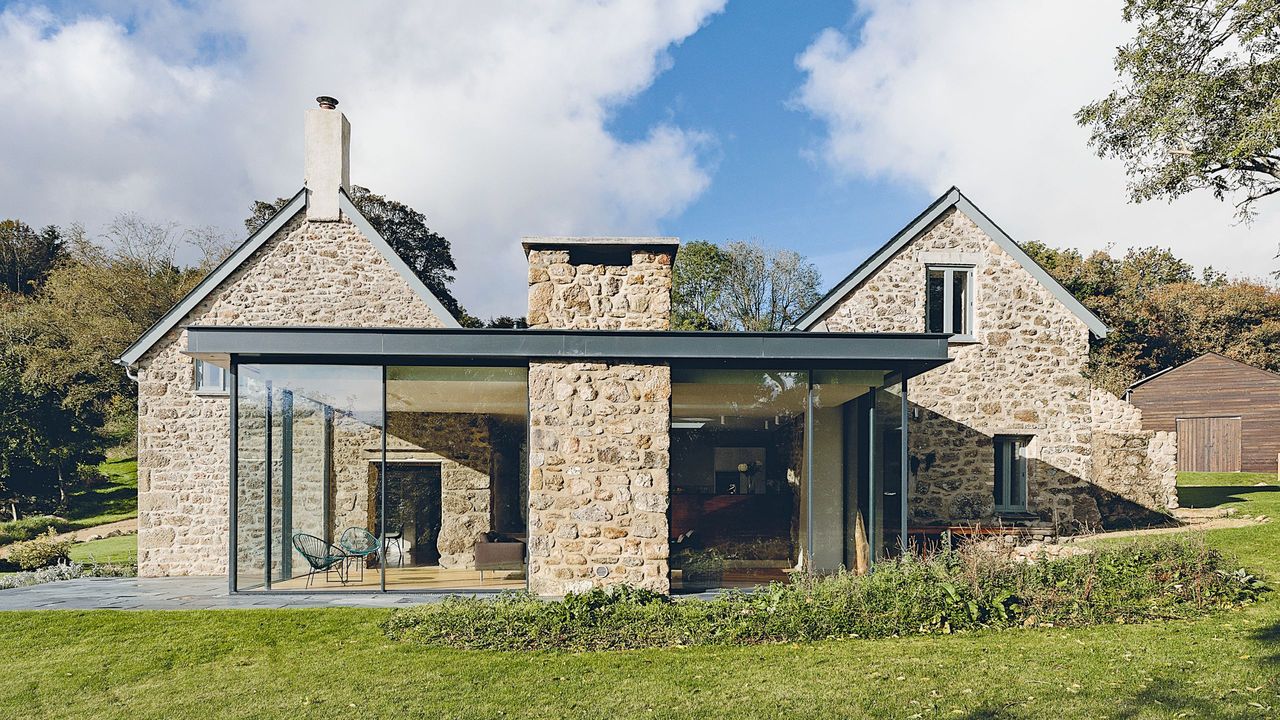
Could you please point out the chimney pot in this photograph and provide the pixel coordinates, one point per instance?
(327, 141)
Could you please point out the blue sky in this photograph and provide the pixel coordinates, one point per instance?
(736, 79)
(822, 126)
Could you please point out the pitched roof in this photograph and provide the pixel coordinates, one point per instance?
(241, 255)
(953, 198)
(1196, 359)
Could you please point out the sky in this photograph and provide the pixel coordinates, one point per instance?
(824, 127)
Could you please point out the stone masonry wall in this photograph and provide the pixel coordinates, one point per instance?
(598, 476)
(1023, 375)
(309, 273)
(1131, 462)
(563, 295)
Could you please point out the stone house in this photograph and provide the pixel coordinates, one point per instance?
(1011, 431)
(310, 416)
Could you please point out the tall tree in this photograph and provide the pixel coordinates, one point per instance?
(1198, 105)
(743, 286)
(697, 284)
(1162, 313)
(27, 256)
(426, 252)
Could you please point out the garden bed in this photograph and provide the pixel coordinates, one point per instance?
(968, 589)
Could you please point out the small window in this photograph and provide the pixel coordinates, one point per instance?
(1011, 474)
(210, 378)
(948, 301)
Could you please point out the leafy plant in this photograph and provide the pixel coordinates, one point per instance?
(974, 587)
(42, 551)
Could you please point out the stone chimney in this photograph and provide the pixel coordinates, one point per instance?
(327, 136)
(600, 283)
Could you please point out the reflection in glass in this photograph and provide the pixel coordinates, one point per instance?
(737, 449)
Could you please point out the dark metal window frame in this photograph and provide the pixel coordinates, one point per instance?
(967, 333)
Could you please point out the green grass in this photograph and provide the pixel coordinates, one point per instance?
(119, 550)
(336, 663)
(111, 500)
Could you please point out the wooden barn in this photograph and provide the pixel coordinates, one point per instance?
(1226, 413)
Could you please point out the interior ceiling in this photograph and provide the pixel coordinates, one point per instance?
(491, 397)
(697, 400)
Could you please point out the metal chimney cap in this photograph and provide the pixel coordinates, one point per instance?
(326, 102)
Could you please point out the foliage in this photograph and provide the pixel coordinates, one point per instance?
(969, 589)
(27, 256)
(29, 527)
(426, 252)
(697, 283)
(1161, 313)
(42, 551)
(65, 571)
(1198, 106)
(62, 398)
(743, 286)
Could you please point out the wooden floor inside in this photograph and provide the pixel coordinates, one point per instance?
(411, 578)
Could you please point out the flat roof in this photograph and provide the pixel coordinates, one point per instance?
(529, 242)
(908, 353)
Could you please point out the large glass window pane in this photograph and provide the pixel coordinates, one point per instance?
(935, 300)
(888, 496)
(960, 302)
(457, 495)
(308, 503)
(841, 465)
(737, 473)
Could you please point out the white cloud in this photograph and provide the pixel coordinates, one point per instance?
(490, 118)
(981, 95)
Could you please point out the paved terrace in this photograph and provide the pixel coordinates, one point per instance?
(198, 593)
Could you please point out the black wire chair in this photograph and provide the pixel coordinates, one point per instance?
(321, 556)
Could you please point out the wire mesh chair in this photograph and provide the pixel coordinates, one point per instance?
(359, 544)
(321, 556)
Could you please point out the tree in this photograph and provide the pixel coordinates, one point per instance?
(741, 287)
(27, 256)
(1197, 104)
(1161, 313)
(426, 252)
(697, 283)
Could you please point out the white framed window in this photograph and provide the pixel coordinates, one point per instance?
(949, 300)
(209, 379)
(1011, 474)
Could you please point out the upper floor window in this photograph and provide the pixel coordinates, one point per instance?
(210, 378)
(949, 301)
(1011, 474)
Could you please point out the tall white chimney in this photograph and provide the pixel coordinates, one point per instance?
(327, 136)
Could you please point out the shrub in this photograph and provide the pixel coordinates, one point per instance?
(962, 590)
(42, 551)
(27, 528)
(68, 571)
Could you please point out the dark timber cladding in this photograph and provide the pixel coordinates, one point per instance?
(910, 354)
(1215, 404)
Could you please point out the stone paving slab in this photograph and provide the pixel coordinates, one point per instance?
(183, 593)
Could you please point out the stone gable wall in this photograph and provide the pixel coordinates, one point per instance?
(1024, 375)
(563, 295)
(309, 273)
(598, 476)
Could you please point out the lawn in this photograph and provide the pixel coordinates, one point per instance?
(114, 498)
(335, 663)
(119, 550)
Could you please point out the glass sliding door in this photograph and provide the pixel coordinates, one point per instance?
(456, 489)
(309, 453)
(888, 445)
(737, 470)
(839, 488)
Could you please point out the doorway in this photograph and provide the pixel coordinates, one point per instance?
(414, 514)
(1209, 444)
